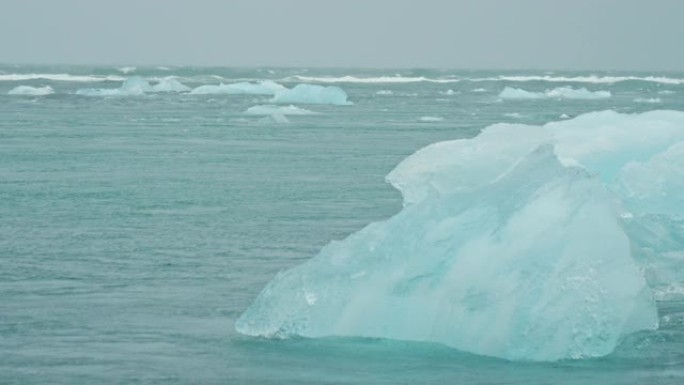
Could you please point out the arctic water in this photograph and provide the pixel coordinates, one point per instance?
(143, 211)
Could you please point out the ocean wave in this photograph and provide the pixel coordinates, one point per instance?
(264, 87)
(367, 80)
(510, 93)
(648, 100)
(581, 79)
(31, 91)
(278, 110)
(431, 119)
(60, 77)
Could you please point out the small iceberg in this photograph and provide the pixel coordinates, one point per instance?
(312, 94)
(31, 91)
(532, 243)
(136, 86)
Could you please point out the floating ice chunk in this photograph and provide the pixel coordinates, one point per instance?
(31, 91)
(264, 87)
(509, 93)
(384, 92)
(312, 94)
(132, 86)
(648, 100)
(278, 110)
(170, 85)
(533, 266)
(564, 116)
(431, 119)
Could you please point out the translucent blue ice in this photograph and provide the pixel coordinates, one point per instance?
(526, 243)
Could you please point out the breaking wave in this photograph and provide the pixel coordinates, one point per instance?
(61, 77)
(278, 110)
(31, 91)
(510, 93)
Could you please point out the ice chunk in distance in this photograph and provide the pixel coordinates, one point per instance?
(533, 266)
(312, 94)
(133, 86)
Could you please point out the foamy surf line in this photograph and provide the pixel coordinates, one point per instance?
(60, 77)
(421, 79)
(368, 80)
(581, 79)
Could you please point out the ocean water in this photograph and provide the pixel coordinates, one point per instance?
(136, 228)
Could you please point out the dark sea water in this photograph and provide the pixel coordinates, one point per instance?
(135, 229)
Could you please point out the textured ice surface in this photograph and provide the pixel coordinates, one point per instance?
(510, 93)
(312, 94)
(31, 91)
(525, 243)
(533, 266)
(265, 87)
(282, 110)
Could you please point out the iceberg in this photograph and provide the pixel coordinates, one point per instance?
(535, 243)
(312, 94)
(265, 87)
(279, 110)
(510, 93)
(31, 91)
(135, 86)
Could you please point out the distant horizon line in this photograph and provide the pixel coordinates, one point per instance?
(317, 67)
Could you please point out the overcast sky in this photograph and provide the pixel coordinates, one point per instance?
(500, 34)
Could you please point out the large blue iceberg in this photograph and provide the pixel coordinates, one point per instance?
(526, 242)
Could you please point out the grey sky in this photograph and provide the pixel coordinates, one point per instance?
(515, 34)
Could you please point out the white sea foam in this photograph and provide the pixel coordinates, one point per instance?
(278, 110)
(264, 87)
(431, 119)
(384, 92)
(479, 90)
(126, 70)
(582, 79)
(31, 91)
(666, 92)
(449, 92)
(510, 93)
(648, 100)
(376, 79)
(170, 85)
(60, 77)
(514, 115)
